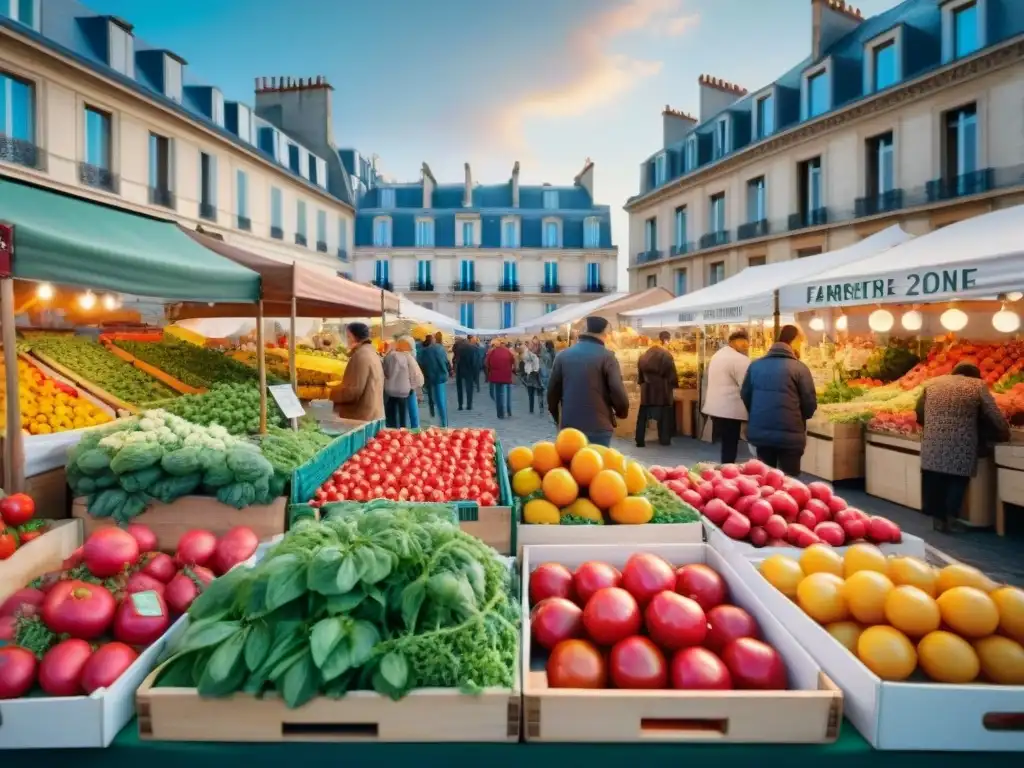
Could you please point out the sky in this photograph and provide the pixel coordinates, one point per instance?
(549, 83)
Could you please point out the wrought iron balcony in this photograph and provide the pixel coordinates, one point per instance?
(950, 188)
(752, 229)
(383, 284)
(423, 286)
(300, 239)
(805, 219)
(244, 223)
(594, 288)
(22, 152)
(506, 287)
(161, 196)
(207, 211)
(645, 257)
(100, 178)
(277, 233)
(321, 246)
(713, 239)
(549, 288)
(466, 286)
(681, 249)
(342, 254)
(875, 204)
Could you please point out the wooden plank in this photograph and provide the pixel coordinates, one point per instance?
(85, 384)
(152, 370)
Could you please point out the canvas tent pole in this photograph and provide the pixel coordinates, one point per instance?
(14, 458)
(261, 366)
(293, 373)
(776, 315)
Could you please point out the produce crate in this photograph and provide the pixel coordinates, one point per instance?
(71, 722)
(921, 716)
(152, 370)
(651, 533)
(686, 411)
(170, 521)
(95, 390)
(834, 451)
(1009, 481)
(893, 472)
(811, 713)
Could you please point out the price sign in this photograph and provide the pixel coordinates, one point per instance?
(6, 249)
(287, 401)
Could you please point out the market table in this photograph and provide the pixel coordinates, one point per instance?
(128, 751)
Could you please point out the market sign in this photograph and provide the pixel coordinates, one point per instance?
(723, 313)
(687, 317)
(6, 249)
(912, 286)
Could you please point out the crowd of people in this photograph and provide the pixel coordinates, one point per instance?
(766, 402)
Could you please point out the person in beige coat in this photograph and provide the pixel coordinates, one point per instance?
(722, 401)
(402, 377)
(360, 395)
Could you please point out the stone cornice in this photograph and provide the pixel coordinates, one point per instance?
(994, 59)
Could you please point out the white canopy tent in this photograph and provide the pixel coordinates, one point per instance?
(751, 293)
(979, 257)
(570, 313)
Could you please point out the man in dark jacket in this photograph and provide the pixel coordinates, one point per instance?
(586, 390)
(465, 357)
(778, 391)
(658, 379)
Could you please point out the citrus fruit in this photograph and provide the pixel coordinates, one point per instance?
(783, 573)
(545, 457)
(863, 557)
(584, 508)
(559, 487)
(1010, 603)
(569, 442)
(636, 478)
(602, 450)
(916, 573)
(525, 482)
(541, 512)
(865, 593)
(947, 658)
(615, 460)
(912, 611)
(607, 489)
(846, 632)
(960, 575)
(585, 465)
(632, 510)
(819, 558)
(1002, 659)
(969, 612)
(519, 458)
(821, 597)
(887, 652)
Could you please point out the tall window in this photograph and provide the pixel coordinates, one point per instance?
(817, 94)
(382, 232)
(467, 314)
(242, 199)
(720, 142)
(757, 261)
(592, 232)
(880, 173)
(207, 186)
(467, 273)
(509, 273)
(679, 227)
(321, 230)
(160, 163)
(423, 274)
(811, 197)
(267, 141)
(468, 234)
(382, 272)
(551, 234)
(551, 199)
(966, 39)
(651, 235)
(716, 272)
(293, 158)
(765, 116)
(716, 221)
(313, 168)
(550, 274)
(276, 213)
(652, 281)
(691, 153)
(26, 12)
(755, 200)
(961, 142)
(17, 109)
(550, 307)
(509, 234)
(593, 275)
(342, 235)
(660, 169)
(387, 197)
(424, 233)
(97, 138)
(300, 222)
(884, 63)
(508, 314)
(680, 282)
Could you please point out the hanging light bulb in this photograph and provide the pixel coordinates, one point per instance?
(842, 322)
(1006, 320)
(881, 321)
(1014, 296)
(87, 300)
(953, 319)
(44, 291)
(912, 320)
(110, 302)
(817, 324)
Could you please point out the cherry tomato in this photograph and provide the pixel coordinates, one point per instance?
(576, 664)
(636, 662)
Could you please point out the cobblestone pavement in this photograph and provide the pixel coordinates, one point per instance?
(1002, 558)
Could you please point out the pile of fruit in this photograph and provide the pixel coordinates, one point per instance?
(18, 523)
(903, 423)
(651, 626)
(95, 364)
(78, 629)
(48, 405)
(900, 615)
(236, 407)
(434, 465)
(754, 503)
(994, 360)
(570, 482)
(196, 366)
(388, 600)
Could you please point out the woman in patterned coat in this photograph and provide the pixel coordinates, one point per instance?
(959, 418)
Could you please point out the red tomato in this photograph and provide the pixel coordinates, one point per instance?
(487, 500)
(755, 665)
(592, 576)
(576, 664)
(106, 665)
(186, 587)
(27, 536)
(674, 621)
(611, 614)
(141, 618)
(79, 609)
(17, 671)
(555, 619)
(234, 547)
(358, 495)
(8, 543)
(143, 582)
(699, 669)
(8, 624)
(144, 535)
(17, 509)
(60, 671)
(27, 596)
(196, 547)
(645, 575)
(637, 663)
(550, 580)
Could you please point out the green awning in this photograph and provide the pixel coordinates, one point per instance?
(61, 239)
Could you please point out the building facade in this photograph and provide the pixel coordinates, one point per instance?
(911, 117)
(88, 109)
(488, 256)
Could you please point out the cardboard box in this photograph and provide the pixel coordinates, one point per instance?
(834, 451)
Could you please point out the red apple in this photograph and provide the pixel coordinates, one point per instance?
(776, 527)
(592, 576)
(807, 518)
(736, 526)
(759, 511)
(775, 478)
(701, 583)
(855, 528)
(820, 510)
(820, 490)
(754, 467)
(754, 665)
(798, 491)
(692, 498)
(716, 511)
(550, 580)
(698, 669)
(727, 623)
(830, 533)
(758, 536)
(748, 486)
(727, 492)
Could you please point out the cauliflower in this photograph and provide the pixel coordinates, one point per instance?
(116, 441)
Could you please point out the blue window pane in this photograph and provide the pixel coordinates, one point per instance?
(321, 226)
(680, 282)
(17, 109)
(885, 66)
(817, 94)
(27, 13)
(293, 157)
(276, 213)
(243, 194)
(300, 217)
(766, 117)
(97, 138)
(965, 30)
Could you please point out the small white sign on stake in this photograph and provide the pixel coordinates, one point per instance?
(287, 401)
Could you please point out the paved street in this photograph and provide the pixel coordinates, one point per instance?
(1001, 558)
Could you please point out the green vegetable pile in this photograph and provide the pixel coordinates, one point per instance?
(156, 455)
(389, 600)
(668, 508)
(236, 407)
(839, 392)
(890, 362)
(92, 362)
(578, 520)
(189, 364)
(287, 450)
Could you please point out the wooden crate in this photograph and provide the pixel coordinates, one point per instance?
(834, 451)
(1009, 481)
(493, 527)
(686, 412)
(170, 521)
(41, 556)
(152, 370)
(93, 389)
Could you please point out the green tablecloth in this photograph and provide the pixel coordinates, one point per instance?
(128, 751)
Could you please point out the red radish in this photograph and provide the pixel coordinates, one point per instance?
(758, 537)
(819, 490)
(235, 547)
(143, 582)
(784, 505)
(776, 527)
(60, 671)
(692, 498)
(142, 618)
(716, 511)
(106, 665)
(144, 535)
(196, 547)
(759, 512)
(801, 495)
(836, 505)
(807, 518)
(736, 526)
(820, 510)
(748, 486)
(830, 533)
(755, 467)
(775, 478)
(729, 471)
(108, 551)
(185, 587)
(159, 565)
(21, 598)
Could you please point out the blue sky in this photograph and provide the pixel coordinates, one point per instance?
(546, 82)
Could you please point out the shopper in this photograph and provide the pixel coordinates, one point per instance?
(722, 400)
(360, 395)
(959, 419)
(436, 372)
(531, 373)
(402, 377)
(778, 393)
(586, 390)
(658, 379)
(465, 357)
(501, 365)
(547, 362)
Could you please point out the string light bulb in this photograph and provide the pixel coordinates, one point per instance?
(842, 322)
(110, 302)
(44, 292)
(1014, 296)
(1006, 320)
(817, 324)
(953, 319)
(912, 320)
(87, 300)
(881, 321)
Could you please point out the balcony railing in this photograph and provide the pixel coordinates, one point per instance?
(872, 205)
(300, 239)
(548, 288)
(594, 288)
(714, 239)
(805, 219)
(960, 186)
(161, 196)
(645, 257)
(342, 254)
(383, 284)
(681, 249)
(505, 287)
(207, 211)
(244, 223)
(466, 286)
(321, 246)
(752, 229)
(97, 177)
(277, 233)
(22, 152)
(423, 286)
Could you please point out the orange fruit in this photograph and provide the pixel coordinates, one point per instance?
(559, 487)
(519, 458)
(865, 593)
(584, 508)
(615, 460)
(541, 512)
(969, 612)
(846, 632)
(1002, 659)
(585, 465)
(912, 611)
(960, 575)
(820, 595)
(819, 558)
(947, 658)
(864, 557)
(569, 442)
(545, 457)
(1010, 603)
(916, 573)
(636, 477)
(632, 510)
(525, 482)
(607, 489)
(783, 573)
(887, 652)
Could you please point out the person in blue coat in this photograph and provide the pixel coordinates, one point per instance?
(433, 360)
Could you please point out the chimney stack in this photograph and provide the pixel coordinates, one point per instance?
(717, 94)
(831, 20)
(675, 124)
(467, 197)
(515, 185)
(585, 178)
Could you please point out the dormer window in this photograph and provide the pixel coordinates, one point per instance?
(883, 61)
(551, 199)
(720, 142)
(172, 78)
(691, 153)
(387, 197)
(26, 12)
(244, 126)
(217, 107)
(764, 115)
(816, 91)
(120, 48)
(963, 28)
(660, 169)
